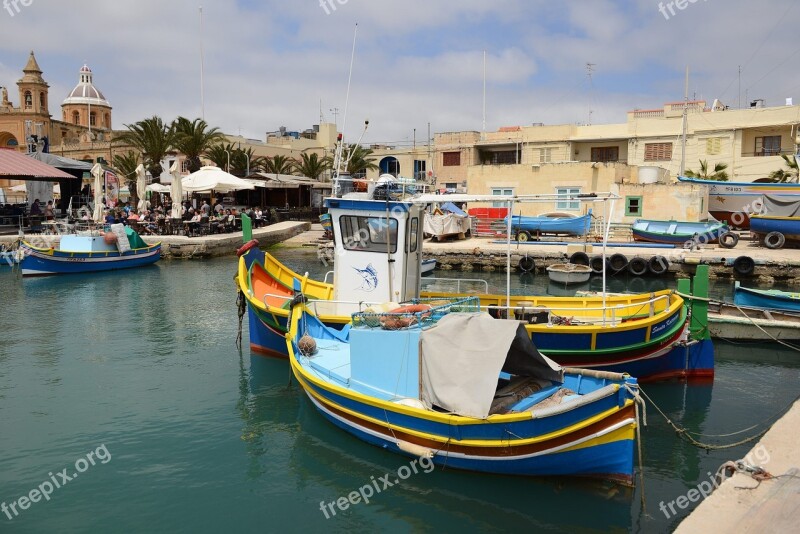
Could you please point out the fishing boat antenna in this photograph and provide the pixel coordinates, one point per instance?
(338, 157)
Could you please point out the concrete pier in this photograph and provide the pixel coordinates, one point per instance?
(178, 246)
(772, 506)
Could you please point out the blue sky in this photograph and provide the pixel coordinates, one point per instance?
(269, 63)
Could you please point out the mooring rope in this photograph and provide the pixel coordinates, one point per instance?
(241, 305)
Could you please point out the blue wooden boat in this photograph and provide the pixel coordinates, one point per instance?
(524, 227)
(770, 299)
(788, 227)
(88, 254)
(411, 382)
(677, 232)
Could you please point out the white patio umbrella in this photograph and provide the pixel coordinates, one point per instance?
(177, 190)
(158, 188)
(141, 184)
(97, 173)
(211, 178)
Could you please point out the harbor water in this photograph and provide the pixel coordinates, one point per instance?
(132, 381)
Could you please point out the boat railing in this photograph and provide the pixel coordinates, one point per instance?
(424, 313)
(325, 280)
(457, 281)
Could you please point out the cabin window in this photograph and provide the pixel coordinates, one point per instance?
(568, 204)
(368, 234)
(501, 191)
(413, 228)
(657, 151)
(451, 159)
(769, 145)
(633, 206)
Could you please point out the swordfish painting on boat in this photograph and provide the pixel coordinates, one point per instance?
(122, 248)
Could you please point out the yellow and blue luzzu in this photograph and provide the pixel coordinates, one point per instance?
(468, 391)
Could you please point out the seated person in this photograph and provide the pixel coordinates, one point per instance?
(36, 208)
(110, 219)
(49, 211)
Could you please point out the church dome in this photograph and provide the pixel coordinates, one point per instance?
(85, 92)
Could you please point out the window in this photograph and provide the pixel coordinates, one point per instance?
(568, 204)
(500, 157)
(713, 146)
(28, 100)
(92, 118)
(413, 228)
(545, 155)
(368, 234)
(185, 166)
(633, 206)
(501, 191)
(107, 122)
(657, 151)
(41, 101)
(451, 159)
(76, 117)
(605, 153)
(451, 185)
(769, 145)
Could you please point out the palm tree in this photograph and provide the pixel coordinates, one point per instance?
(219, 155)
(125, 166)
(311, 165)
(279, 164)
(243, 161)
(193, 138)
(358, 159)
(789, 174)
(153, 139)
(718, 174)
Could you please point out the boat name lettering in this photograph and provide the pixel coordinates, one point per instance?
(663, 326)
(76, 259)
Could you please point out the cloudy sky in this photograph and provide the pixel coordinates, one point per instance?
(269, 63)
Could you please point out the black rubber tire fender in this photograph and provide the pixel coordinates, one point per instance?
(744, 265)
(658, 265)
(526, 264)
(728, 240)
(618, 262)
(579, 258)
(596, 263)
(774, 240)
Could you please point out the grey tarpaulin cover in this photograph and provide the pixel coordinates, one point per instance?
(447, 224)
(462, 357)
(775, 207)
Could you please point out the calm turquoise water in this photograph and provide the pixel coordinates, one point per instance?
(204, 438)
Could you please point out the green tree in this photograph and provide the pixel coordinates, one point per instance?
(243, 161)
(789, 174)
(279, 164)
(357, 159)
(219, 155)
(153, 139)
(193, 138)
(311, 165)
(718, 174)
(125, 167)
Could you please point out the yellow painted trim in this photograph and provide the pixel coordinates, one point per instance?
(625, 433)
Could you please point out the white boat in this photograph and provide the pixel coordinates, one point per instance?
(569, 273)
(428, 265)
(731, 322)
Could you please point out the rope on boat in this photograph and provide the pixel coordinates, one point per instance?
(637, 401)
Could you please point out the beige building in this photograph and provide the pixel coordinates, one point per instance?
(630, 159)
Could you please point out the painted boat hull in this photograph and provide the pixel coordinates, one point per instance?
(428, 266)
(547, 225)
(734, 326)
(676, 232)
(732, 202)
(644, 346)
(568, 275)
(771, 300)
(38, 262)
(595, 439)
(761, 225)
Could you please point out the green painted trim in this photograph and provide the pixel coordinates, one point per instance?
(628, 212)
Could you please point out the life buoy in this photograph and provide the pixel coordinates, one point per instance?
(637, 266)
(744, 265)
(402, 317)
(774, 240)
(658, 265)
(596, 264)
(526, 264)
(247, 246)
(618, 262)
(579, 258)
(728, 240)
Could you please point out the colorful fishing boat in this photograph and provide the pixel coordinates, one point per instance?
(770, 299)
(524, 227)
(733, 202)
(678, 232)
(89, 254)
(411, 382)
(645, 335)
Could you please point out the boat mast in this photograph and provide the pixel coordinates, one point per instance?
(685, 122)
(338, 158)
